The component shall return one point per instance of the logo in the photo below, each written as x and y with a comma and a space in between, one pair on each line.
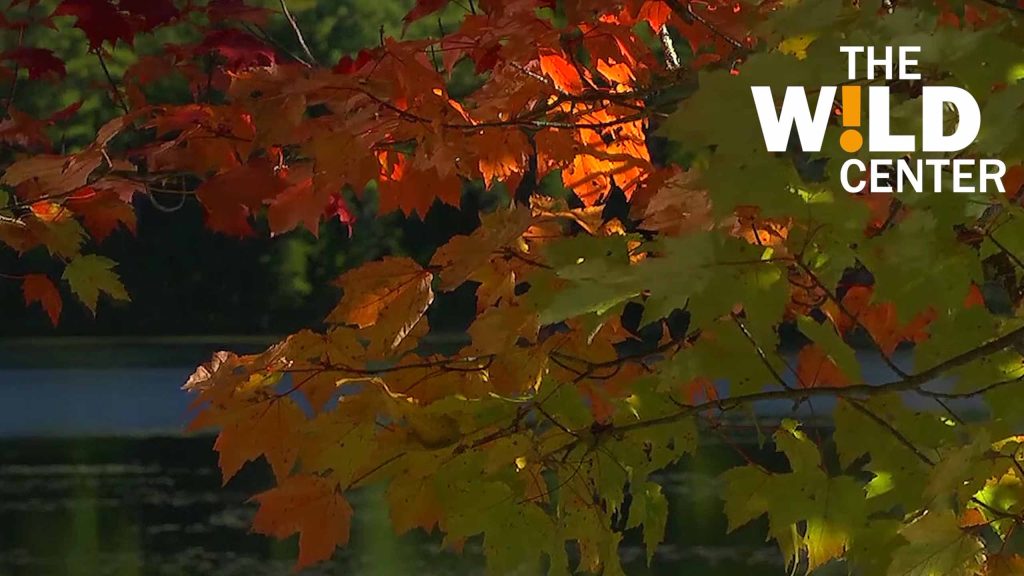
884, 175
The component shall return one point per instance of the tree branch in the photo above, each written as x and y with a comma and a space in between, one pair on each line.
760, 353
298, 32
842, 308
909, 383
671, 57
891, 429
118, 99
1005, 6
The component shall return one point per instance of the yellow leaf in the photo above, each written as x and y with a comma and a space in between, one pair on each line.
89, 275
797, 45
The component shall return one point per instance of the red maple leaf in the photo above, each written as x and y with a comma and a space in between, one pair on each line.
348, 65
338, 208
230, 197
656, 13
241, 50
99, 19
153, 13
236, 11
39, 288
65, 114
423, 8
38, 61
102, 212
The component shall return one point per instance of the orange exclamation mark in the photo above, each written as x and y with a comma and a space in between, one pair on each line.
851, 140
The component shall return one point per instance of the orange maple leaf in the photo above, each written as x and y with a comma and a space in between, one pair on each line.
311, 506
815, 369
880, 320
561, 71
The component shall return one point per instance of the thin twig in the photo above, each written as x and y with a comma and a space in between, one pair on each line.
266, 37
892, 430
11, 221
298, 32
1005, 5
760, 353
17, 70
118, 99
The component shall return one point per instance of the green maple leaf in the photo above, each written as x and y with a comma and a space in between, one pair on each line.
936, 545
649, 508
89, 275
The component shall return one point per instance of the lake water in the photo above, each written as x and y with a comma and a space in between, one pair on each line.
154, 506
97, 479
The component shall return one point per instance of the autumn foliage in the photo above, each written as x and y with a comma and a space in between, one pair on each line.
653, 277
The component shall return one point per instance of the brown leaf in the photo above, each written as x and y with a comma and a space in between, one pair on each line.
679, 206
1004, 565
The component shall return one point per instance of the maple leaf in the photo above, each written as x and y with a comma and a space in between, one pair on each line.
237, 11
677, 206
310, 506
1004, 565
99, 19
579, 338
89, 274
267, 429
299, 203
423, 8
700, 390
880, 320
937, 545
64, 114
462, 256
395, 290
337, 208
54, 228
39, 62
153, 13
413, 190
561, 71
503, 155
50, 175
816, 369
230, 196
39, 288
348, 65
239, 49
24, 131
656, 13
413, 502
102, 212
